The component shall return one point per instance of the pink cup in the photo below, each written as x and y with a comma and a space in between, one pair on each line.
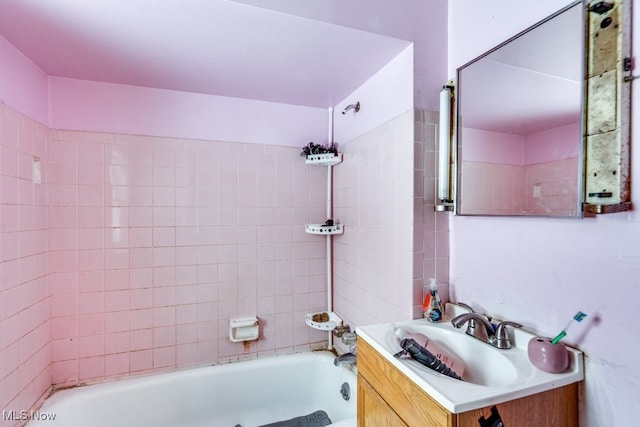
547, 356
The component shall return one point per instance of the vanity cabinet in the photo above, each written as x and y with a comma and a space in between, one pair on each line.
387, 397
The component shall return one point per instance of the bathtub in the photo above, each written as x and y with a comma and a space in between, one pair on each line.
248, 394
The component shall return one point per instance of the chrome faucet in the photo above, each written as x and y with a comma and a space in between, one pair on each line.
484, 332
348, 359
498, 338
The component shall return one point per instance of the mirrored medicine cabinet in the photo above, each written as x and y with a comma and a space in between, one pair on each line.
527, 133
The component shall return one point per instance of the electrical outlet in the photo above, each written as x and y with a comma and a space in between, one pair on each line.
537, 191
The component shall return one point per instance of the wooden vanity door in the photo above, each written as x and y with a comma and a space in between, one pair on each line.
373, 411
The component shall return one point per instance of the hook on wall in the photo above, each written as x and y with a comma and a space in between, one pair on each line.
355, 107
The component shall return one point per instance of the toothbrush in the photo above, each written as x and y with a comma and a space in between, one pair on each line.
578, 318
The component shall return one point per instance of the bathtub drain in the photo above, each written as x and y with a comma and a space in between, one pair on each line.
345, 391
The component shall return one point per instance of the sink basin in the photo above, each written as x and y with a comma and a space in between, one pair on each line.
491, 375
483, 365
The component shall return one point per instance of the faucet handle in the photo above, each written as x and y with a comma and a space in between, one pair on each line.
349, 338
502, 335
338, 331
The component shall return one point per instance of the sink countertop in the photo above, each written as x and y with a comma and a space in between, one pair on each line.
461, 396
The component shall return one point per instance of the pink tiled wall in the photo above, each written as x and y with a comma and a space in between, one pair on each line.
497, 189
392, 240
501, 170
25, 335
431, 229
135, 251
155, 243
373, 197
558, 183
509, 189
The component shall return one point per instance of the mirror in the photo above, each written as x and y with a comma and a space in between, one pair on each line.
519, 123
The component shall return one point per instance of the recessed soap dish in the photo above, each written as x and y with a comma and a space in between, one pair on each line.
244, 329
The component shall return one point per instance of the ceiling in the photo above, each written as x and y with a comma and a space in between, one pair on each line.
230, 48
301, 52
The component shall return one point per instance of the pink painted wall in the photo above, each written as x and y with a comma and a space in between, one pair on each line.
541, 271
496, 147
23, 86
493, 24
386, 95
554, 144
492, 147
101, 107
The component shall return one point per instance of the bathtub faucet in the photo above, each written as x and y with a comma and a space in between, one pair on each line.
347, 359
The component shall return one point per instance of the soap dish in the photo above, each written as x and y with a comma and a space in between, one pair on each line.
244, 329
329, 325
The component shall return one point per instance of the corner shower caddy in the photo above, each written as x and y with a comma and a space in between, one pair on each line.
328, 230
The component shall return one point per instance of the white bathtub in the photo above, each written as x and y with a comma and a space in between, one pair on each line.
248, 394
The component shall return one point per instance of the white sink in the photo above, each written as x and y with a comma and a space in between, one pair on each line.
483, 364
491, 375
